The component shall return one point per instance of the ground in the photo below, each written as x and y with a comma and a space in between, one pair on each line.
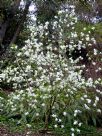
5, 132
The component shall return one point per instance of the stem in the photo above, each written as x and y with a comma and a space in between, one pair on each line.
48, 112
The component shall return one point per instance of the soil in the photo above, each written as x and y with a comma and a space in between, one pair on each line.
5, 132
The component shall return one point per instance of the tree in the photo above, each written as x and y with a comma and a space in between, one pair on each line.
12, 22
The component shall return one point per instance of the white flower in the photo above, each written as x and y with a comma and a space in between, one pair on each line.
28, 125
43, 104
84, 28
59, 120
72, 134
64, 113
56, 119
94, 63
78, 130
27, 53
75, 122
80, 124
98, 91
54, 116
93, 28
28, 133
55, 126
99, 68
60, 12
95, 52
98, 110
26, 113
19, 54
97, 98
76, 112
62, 126
88, 100
86, 107
94, 104
87, 38
28, 68
40, 27
37, 114
85, 96
72, 129
75, 35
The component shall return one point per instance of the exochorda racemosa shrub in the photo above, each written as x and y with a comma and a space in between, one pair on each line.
49, 87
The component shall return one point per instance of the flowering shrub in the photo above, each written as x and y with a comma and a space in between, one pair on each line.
49, 87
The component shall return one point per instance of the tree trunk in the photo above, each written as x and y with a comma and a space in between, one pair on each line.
25, 12
16, 5
3, 30
5, 24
